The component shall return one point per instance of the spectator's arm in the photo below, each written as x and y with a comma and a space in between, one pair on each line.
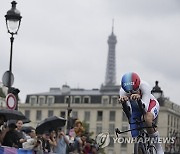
22, 140
53, 142
66, 139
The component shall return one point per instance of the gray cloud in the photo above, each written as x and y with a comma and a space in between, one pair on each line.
148, 8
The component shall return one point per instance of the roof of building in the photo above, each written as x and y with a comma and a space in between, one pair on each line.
66, 90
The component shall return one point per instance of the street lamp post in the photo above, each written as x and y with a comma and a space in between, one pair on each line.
158, 93
69, 110
13, 20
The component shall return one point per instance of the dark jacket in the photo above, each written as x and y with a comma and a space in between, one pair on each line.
11, 139
46, 145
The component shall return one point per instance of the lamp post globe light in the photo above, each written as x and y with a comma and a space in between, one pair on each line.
13, 20
158, 93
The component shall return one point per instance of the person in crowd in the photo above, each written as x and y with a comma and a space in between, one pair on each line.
3, 128
21, 134
28, 131
86, 147
52, 140
94, 149
2, 120
11, 138
38, 148
62, 142
45, 142
89, 146
31, 141
31, 133
79, 130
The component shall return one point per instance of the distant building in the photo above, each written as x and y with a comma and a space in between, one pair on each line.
99, 108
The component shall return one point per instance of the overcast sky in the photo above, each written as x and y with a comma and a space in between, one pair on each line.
65, 42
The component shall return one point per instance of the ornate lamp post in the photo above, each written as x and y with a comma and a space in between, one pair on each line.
158, 93
13, 20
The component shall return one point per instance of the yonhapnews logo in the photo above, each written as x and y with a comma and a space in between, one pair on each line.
103, 140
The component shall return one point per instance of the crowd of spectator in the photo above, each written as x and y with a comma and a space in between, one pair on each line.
77, 141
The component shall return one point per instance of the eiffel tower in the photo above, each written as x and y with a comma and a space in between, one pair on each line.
110, 78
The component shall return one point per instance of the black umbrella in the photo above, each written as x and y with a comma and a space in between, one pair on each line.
13, 115
51, 123
14, 121
23, 120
